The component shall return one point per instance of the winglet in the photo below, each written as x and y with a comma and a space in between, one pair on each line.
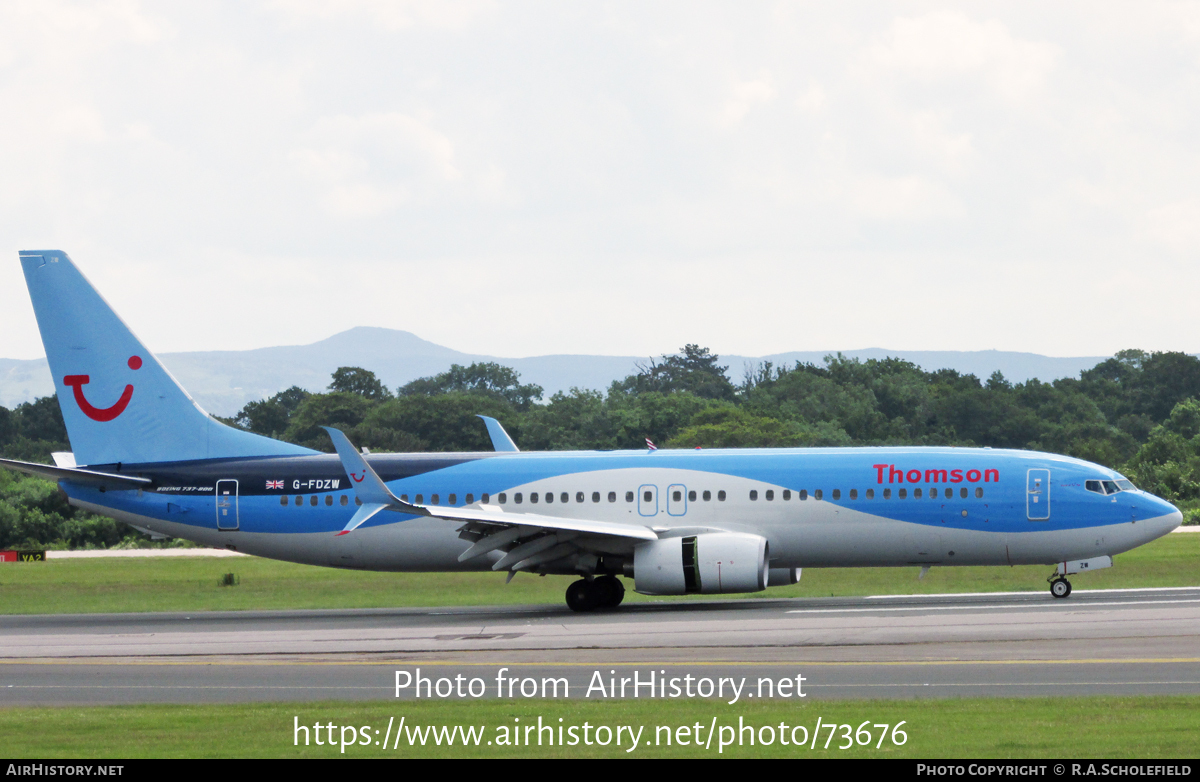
500, 439
361, 516
368, 486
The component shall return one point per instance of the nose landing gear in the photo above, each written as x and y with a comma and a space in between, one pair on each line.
602, 592
1060, 587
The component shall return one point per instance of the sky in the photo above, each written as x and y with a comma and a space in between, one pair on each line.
617, 178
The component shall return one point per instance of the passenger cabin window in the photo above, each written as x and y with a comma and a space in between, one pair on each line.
754, 494
485, 498
629, 496
595, 496
453, 499
299, 501
837, 494
854, 494
979, 492
870, 494
579, 496
358, 500
420, 499
502, 497
803, 494
770, 494
817, 494
961, 492
707, 495
903, 493
787, 494
612, 496
470, 499
887, 494
567, 497
647, 496
283, 499
533, 496
434, 499
345, 500
404, 498
721, 496
691, 496
329, 499
677, 496
517, 498
313, 500
917, 493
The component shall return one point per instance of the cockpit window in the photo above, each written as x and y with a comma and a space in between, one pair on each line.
1108, 487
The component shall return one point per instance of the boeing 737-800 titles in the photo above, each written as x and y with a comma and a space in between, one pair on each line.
673, 521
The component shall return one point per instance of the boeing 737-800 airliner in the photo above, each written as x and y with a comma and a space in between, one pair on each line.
675, 521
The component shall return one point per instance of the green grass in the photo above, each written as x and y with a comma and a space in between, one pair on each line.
1108, 727
191, 584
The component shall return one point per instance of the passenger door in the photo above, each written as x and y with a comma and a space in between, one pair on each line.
227, 504
1037, 495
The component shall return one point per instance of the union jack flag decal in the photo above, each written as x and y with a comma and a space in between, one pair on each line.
274, 484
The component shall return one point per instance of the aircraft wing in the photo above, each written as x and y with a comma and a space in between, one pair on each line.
528, 539
77, 475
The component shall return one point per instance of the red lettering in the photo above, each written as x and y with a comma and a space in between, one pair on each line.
989, 474
912, 473
879, 468
974, 475
935, 476
893, 474
956, 476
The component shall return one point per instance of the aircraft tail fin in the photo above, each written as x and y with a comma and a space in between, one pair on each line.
118, 402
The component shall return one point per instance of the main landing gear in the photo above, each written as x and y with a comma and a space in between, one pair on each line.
1060, 587
601, 592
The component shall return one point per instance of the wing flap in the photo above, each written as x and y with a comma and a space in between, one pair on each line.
586, 526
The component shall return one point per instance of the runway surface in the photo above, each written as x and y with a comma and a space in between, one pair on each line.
1094, 642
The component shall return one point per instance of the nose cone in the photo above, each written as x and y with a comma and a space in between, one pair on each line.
1163, 515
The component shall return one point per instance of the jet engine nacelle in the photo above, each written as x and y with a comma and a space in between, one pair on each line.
713, 563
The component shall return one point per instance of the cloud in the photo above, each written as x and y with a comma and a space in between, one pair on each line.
949, 45
902, 198
372, 163
392, 15
1176, 226
743, 97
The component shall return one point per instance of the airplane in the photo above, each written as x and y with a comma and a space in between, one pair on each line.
676, 522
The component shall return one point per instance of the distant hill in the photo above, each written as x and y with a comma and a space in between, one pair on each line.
224, 381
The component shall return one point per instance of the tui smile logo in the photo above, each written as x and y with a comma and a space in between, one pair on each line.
77, 382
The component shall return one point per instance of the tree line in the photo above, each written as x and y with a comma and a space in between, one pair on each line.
1137, 412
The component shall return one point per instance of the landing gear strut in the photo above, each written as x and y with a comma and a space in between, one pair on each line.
1060, 587
602, 592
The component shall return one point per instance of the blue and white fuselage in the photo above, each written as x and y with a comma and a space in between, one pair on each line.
708, 521
866, 515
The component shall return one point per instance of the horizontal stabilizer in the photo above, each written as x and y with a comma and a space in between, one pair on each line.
76, 475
